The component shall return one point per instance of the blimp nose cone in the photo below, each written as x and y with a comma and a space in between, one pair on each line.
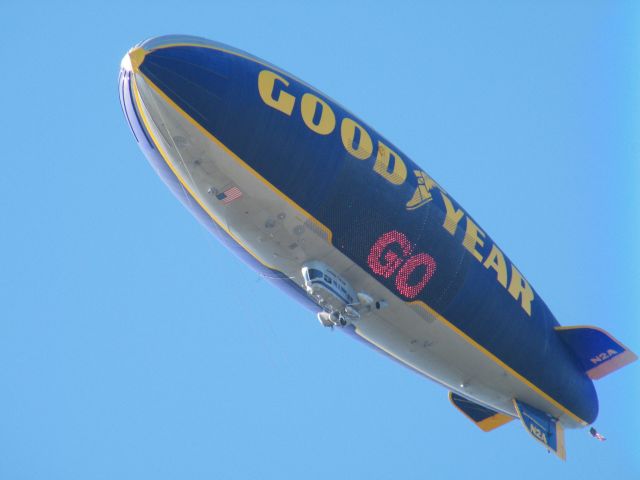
200, 79
133, 59
136, 55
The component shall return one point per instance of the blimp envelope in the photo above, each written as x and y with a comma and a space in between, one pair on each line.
337, 216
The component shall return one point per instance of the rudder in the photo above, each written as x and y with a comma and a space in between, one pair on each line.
542, 427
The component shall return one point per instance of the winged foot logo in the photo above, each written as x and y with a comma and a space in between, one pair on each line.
422, 195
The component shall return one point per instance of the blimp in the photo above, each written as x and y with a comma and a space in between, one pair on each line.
339, 218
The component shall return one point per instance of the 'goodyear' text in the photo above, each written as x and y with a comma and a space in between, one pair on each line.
320, 118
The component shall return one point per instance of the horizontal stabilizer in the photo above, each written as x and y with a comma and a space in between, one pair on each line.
543, 427
598, 352
483, 417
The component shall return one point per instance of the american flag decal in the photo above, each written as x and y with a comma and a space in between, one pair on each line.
229, 195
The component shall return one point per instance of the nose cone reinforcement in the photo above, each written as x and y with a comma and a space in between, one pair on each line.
126, 84
132, 60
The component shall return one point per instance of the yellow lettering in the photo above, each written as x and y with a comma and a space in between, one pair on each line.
453, 216
398, 173
496, 261
348, 130
472, 238
322, 121
266, 87
520, 288
538, 433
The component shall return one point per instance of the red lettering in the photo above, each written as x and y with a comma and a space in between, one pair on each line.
423, 260
385, 263
391, 254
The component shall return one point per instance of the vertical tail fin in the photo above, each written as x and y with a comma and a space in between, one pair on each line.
542, 427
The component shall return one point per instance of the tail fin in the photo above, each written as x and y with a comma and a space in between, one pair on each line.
483, 417
597, 351
543, 427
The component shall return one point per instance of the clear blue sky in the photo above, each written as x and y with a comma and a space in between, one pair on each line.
133, 346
